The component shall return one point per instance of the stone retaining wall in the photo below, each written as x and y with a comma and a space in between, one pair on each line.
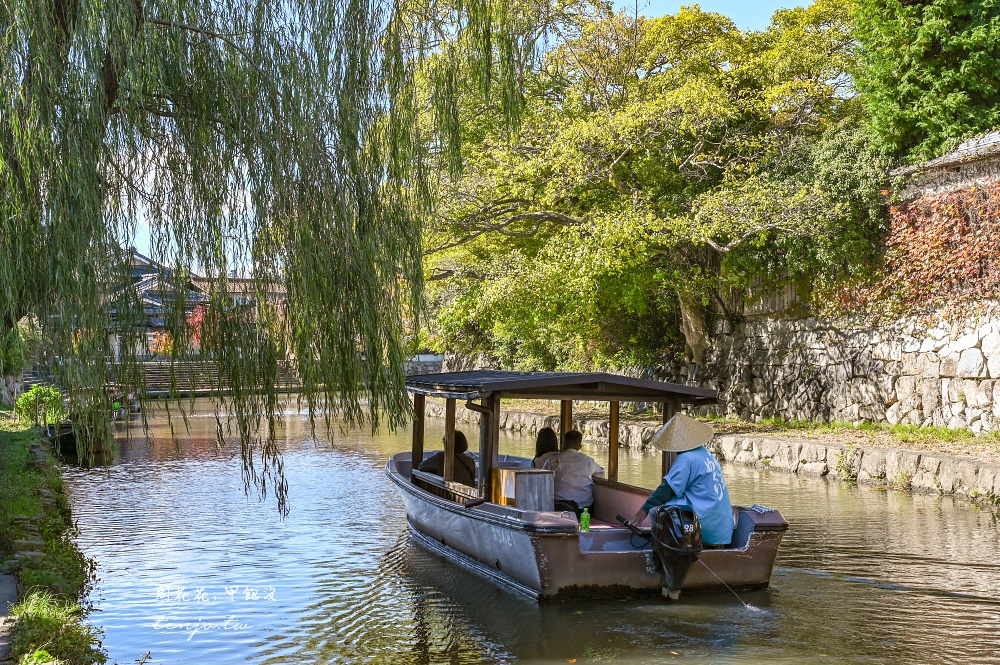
941, 373
933, 473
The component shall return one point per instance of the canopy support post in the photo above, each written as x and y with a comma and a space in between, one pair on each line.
667, 459
449, 439
565, 421
417, 448
613, 442
489, 426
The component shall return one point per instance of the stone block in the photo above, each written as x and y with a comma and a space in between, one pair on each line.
984, 395
901, 465
925, 477
969, 340
814, 469
971, 364
989, 421
990, 344
957, 477
873, 467
939, 332
930, 344
894, 414
949, 365
930, 397
766, 448
29, 546
993, 367
787, 457
745, 458
730, 447
929, 365
812, 452
988, 481
905, 386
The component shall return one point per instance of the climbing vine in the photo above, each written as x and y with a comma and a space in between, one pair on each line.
941, 249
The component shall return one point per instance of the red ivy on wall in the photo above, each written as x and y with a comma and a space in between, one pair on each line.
941, 249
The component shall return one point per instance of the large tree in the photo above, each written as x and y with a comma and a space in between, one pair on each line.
660, 162
277, 138
928, 71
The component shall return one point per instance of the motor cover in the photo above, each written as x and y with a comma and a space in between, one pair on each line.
677, 542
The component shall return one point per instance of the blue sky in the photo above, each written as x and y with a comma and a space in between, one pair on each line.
746, 14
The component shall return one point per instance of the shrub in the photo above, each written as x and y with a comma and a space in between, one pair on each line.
49, 402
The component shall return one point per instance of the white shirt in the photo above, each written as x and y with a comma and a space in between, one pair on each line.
539, 462
574, 474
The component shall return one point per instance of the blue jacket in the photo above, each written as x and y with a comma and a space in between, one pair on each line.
695, 479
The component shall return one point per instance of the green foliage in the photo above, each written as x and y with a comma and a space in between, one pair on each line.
51, 624
847, 461
18, 485
11, 353
928, 71
44, 622
659, 161
275, 139
47, 401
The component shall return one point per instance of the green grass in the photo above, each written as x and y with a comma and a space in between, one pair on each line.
46, 623
902, 433
51, 623
18, 485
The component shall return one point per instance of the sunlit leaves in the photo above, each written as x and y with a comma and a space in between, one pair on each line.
928, 71
688, 156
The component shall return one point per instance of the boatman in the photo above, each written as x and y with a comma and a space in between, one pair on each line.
695, 479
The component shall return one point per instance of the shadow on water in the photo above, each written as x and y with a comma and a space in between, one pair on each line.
863, 576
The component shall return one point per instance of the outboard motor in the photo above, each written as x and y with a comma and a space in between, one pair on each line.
677, 541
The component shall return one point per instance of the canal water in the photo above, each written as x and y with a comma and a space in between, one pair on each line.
193, 571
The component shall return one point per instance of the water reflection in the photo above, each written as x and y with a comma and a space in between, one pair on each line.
864, 576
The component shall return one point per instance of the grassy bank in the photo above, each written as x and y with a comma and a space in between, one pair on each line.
931, 439
53, 575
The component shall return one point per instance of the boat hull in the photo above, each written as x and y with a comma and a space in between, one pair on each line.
545, 556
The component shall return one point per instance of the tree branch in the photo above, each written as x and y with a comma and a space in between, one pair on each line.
211, 35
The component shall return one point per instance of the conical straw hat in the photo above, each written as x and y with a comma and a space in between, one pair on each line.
682, 433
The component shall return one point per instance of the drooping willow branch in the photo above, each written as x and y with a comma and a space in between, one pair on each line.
280, 140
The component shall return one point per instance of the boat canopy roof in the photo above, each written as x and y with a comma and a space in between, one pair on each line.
588, 386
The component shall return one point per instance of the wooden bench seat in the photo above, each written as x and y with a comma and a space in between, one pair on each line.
446, 489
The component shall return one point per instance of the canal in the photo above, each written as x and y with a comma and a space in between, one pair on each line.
193, 571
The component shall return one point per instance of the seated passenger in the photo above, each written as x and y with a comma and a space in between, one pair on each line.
695, 479
546, 446
574, 475
465, 466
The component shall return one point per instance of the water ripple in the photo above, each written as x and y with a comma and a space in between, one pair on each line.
195, 572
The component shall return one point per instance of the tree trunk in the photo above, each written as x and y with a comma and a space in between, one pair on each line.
693, 327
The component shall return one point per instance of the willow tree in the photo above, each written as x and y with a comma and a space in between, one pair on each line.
272, 137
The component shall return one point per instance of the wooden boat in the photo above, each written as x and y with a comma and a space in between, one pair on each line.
506, 529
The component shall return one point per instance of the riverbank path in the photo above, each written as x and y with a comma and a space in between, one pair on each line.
8, 596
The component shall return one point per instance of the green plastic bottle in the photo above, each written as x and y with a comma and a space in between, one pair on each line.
585, 520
